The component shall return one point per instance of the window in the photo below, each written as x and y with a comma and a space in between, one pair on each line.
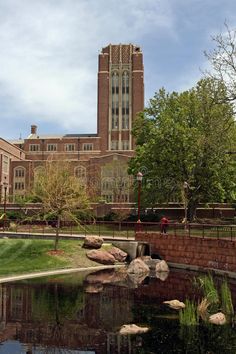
87, 146
115, 101
69, 147
5, 163
125, 100
19, 186
114, 145
125, 144
108, 198
80, 172
19, 172
34, 147
52, 147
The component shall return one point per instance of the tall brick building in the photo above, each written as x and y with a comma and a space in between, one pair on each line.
99, 160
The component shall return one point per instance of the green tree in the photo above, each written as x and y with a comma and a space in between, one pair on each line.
181, 141
60, 193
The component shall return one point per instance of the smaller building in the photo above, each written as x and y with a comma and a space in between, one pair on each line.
8, 153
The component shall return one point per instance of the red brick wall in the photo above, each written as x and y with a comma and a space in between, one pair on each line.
205, 253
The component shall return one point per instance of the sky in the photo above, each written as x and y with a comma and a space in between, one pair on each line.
49, 54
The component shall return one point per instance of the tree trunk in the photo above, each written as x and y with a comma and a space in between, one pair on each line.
57, 233
192, 208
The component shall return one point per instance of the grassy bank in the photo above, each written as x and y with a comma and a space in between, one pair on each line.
25, 256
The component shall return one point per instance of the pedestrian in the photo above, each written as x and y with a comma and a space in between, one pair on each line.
164, 225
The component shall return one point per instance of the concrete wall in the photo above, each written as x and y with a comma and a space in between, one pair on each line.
204, 253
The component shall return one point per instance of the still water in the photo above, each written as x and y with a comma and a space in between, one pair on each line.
82, 313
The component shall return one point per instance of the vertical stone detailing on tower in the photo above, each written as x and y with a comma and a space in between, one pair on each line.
120, 95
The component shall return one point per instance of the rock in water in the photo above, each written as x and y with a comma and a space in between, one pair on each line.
137, 266
218, 318
162, 266
132, 329
175, 304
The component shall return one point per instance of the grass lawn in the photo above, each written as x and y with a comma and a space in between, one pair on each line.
25, 256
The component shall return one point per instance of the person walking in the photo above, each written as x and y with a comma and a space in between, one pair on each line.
164, 225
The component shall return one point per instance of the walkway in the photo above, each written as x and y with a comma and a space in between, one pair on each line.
51, 236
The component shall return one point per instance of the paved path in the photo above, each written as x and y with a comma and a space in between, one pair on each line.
11, 234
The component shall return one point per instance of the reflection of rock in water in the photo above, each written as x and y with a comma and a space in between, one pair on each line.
107, 276
134, 280
162, 275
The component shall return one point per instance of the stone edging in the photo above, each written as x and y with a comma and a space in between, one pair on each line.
54, 272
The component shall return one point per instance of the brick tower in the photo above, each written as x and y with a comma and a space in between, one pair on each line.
120, 95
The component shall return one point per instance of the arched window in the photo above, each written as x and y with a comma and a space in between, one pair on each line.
80, 172
19, 172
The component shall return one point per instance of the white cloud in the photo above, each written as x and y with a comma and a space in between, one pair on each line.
49, 53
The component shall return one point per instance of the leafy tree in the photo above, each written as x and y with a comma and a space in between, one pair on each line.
60, 192
181, 141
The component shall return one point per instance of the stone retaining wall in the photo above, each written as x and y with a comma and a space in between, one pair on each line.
204, 253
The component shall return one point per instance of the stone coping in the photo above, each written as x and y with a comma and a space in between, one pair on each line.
55, 272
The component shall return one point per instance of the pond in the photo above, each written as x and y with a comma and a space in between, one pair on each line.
82, 313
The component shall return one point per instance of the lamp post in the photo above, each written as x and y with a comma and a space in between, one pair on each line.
185, 204
5, 204
139, 179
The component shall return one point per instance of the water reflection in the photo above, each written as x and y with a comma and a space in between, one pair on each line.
72, 314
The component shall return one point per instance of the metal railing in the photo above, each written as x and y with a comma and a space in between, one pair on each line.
116, 229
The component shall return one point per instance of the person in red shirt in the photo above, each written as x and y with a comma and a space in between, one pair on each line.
164, 225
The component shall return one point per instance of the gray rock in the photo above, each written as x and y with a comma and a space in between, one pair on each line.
93, 241
137, 266
118, 254
162, 266
102, 257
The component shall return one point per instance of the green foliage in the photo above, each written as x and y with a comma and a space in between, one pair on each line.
189, 316
208, 288
183, 137
226, 299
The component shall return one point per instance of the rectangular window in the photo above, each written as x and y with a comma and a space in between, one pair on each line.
34, 147
114, 145
19, 186
125, 144
87, 146
69, 147
51, 147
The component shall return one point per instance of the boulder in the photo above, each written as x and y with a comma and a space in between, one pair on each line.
132, 329
175, 304
218, 318
93, 241
150, 262
118, 254
162, 266
137, 266
100, 256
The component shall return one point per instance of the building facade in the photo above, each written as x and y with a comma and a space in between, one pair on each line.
99, 160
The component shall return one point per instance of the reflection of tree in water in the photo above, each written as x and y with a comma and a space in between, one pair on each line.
54, 312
